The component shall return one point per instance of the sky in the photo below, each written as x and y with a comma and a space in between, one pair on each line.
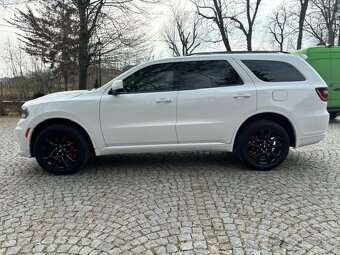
159, 15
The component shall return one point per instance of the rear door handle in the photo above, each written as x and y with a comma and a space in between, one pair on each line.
164, 101
242, 96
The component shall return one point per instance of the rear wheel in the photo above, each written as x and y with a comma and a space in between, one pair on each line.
61, 149
333, 115
263, 145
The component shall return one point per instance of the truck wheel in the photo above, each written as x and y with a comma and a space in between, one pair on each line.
333, 115
263, 145
61, 149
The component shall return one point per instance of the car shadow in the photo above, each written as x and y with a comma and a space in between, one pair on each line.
218, 162
178, 162
336, 120
183, 160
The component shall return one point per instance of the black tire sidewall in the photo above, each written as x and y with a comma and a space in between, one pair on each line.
333, 115
83, 150
251, 129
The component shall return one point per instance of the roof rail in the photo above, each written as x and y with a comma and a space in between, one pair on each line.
235, 52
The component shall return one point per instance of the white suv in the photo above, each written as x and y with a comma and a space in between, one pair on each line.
258, 104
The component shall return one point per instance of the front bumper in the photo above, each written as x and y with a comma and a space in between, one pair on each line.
24, 148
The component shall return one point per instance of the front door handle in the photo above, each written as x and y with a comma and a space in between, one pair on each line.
242, 96
164, 101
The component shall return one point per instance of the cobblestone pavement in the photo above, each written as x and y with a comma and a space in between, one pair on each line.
172, 203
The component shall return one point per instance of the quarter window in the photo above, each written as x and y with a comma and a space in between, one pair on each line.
160, 77
274, 71
208, 74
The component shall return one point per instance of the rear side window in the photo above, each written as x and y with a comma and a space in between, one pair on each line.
274, 71
208, 74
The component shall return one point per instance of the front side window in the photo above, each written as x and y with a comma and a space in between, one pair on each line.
154, 78
274, 71
208, 74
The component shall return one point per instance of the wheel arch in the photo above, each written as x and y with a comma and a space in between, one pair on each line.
62, 121
275, 117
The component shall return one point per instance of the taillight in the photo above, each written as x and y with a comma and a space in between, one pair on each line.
323, 93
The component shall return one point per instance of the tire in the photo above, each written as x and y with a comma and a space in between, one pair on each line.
333, 115
60, 149
263, 145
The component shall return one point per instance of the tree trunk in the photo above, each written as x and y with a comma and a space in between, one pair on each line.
225, 39
249, 41
220, 25
83, 57
331, 35
66, 80
304, 6
82, 78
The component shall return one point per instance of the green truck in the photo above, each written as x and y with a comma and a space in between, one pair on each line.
326, 61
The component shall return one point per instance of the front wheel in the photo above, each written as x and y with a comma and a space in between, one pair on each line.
263, 145
61, 149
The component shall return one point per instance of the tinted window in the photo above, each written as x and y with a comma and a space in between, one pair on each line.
208, 74
161, 77
274, 71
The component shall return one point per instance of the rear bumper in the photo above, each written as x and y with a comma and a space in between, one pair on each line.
307, 140
313, 129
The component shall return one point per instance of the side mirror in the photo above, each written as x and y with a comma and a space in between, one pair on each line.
116, 87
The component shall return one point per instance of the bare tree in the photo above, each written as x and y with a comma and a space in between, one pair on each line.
13, 59
182, 32
121, 37
80, 22
215, 11
302, 17
6, 3
250, 10
279, 26
91, 15
50, 33
316, 29
17, 64
321, 23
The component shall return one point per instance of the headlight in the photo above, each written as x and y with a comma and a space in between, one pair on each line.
24, 112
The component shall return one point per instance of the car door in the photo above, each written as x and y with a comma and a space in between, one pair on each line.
212, 101
145, 113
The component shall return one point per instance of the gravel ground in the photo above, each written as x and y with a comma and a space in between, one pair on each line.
172, 203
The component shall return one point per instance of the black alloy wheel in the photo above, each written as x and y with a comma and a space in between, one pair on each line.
61, 149
263, 145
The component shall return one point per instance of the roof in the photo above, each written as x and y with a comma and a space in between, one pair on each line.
235, 52
318, 49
